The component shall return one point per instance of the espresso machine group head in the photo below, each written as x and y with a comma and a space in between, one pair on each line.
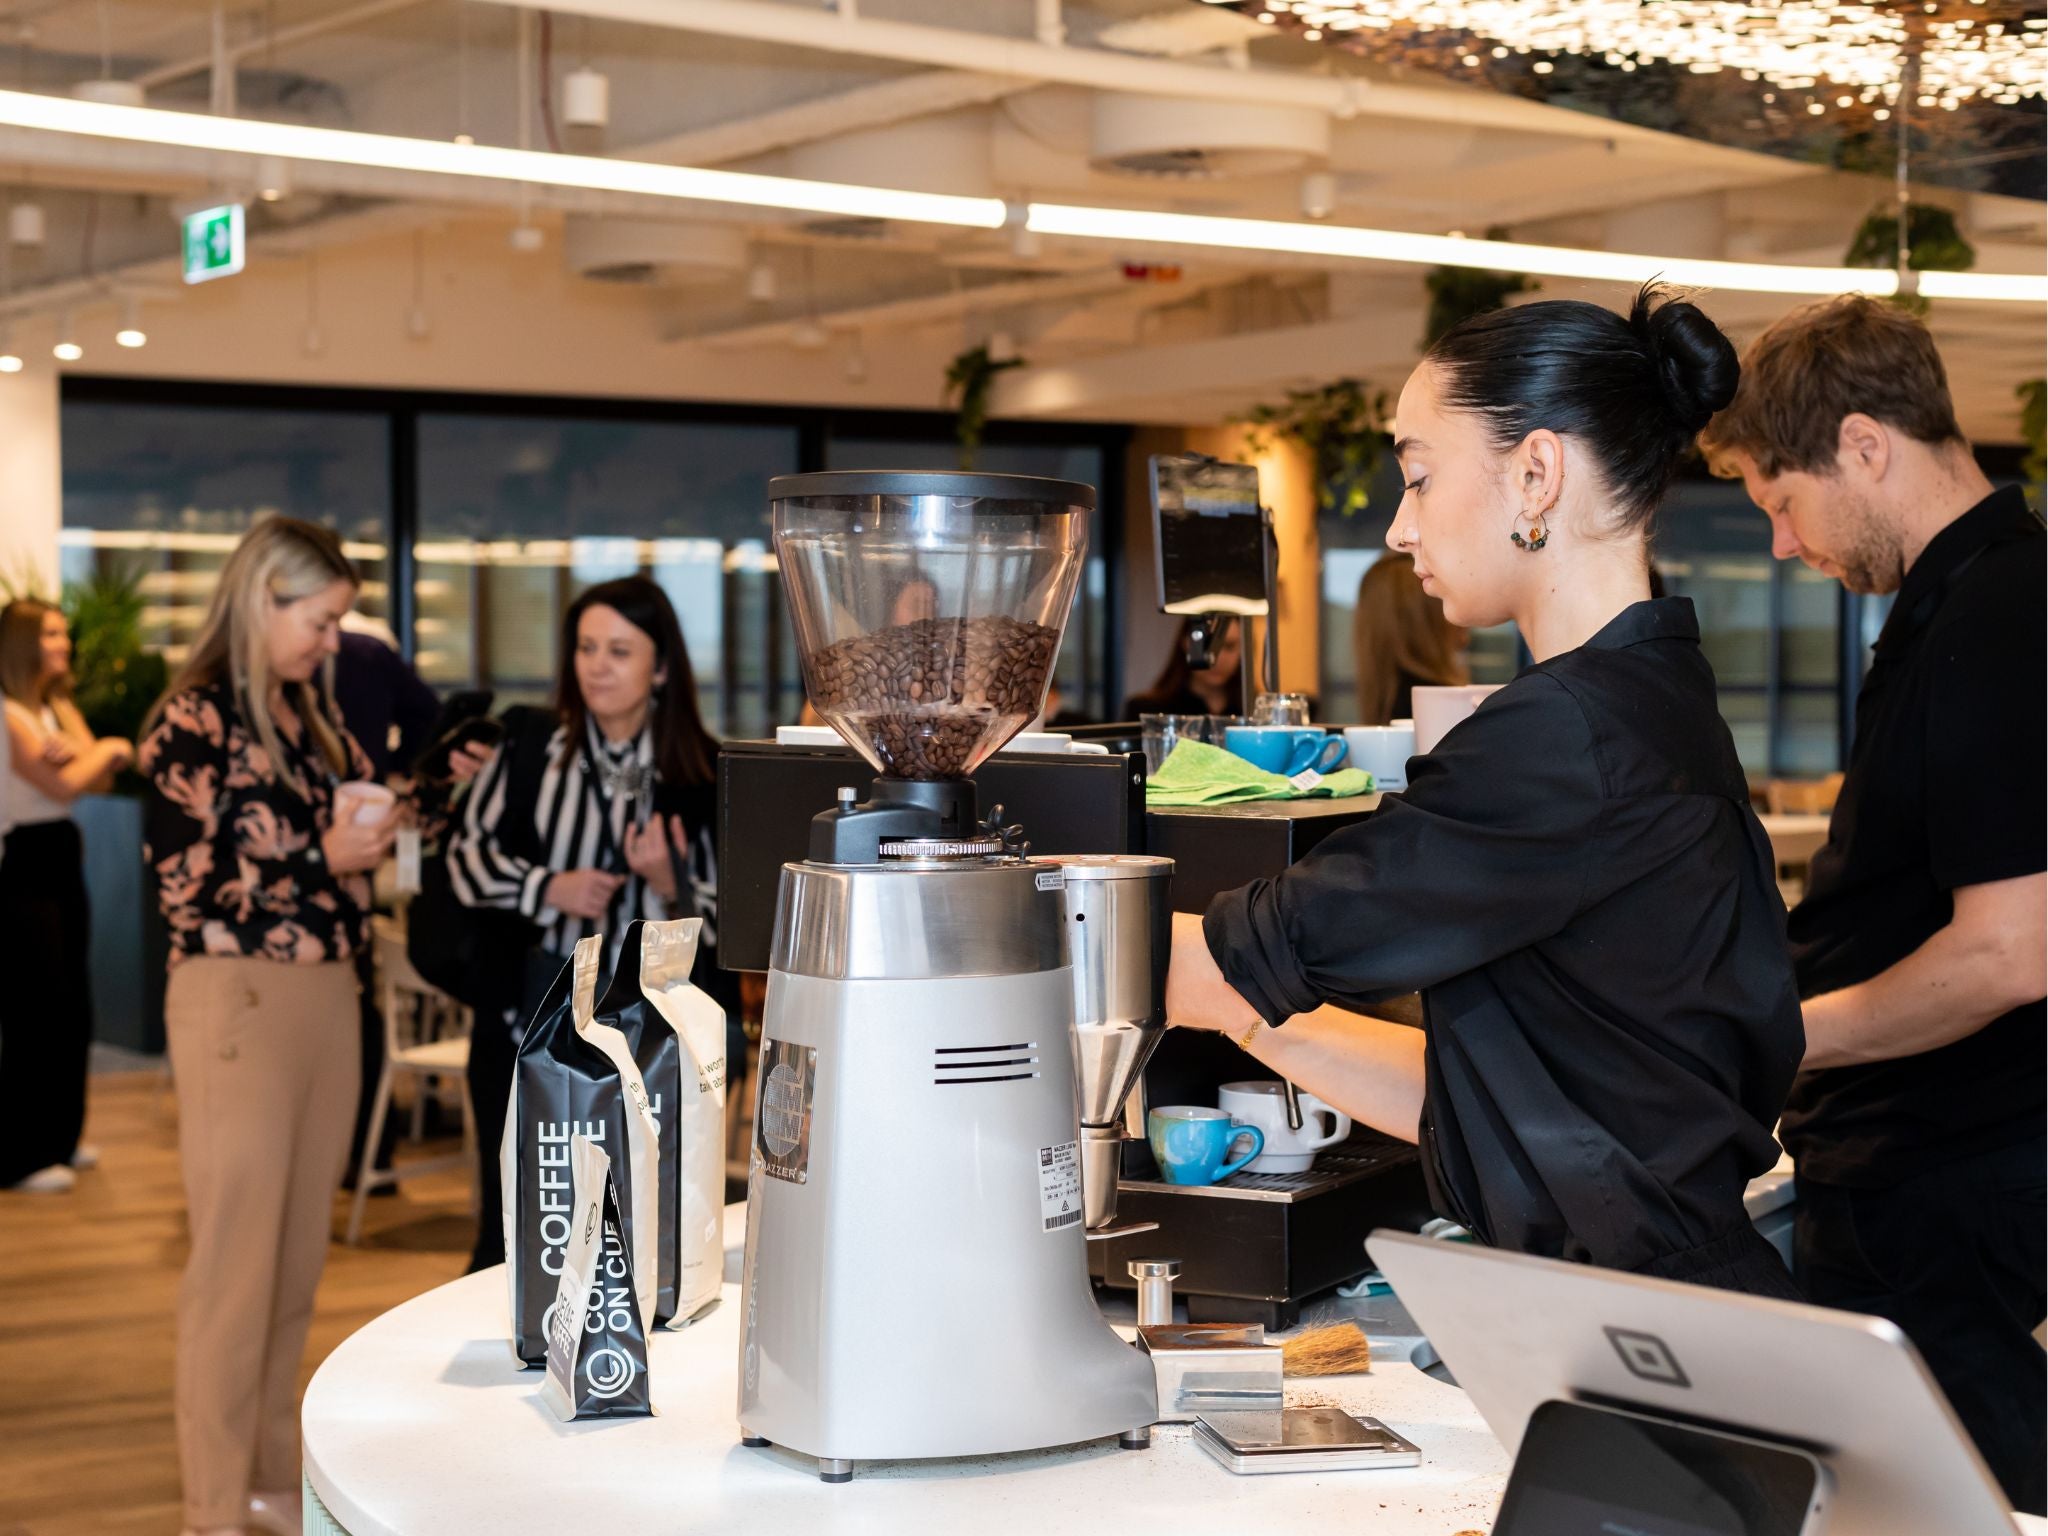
951, 1027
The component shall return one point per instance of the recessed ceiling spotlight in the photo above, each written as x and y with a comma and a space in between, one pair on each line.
67, 349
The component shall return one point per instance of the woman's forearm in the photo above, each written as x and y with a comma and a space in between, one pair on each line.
1369, 1068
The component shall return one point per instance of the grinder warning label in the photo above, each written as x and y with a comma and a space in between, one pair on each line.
1059, 1185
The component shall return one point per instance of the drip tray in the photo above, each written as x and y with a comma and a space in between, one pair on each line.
1254, 1247
1337, 1166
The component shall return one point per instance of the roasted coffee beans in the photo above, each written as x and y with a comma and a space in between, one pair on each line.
932, 697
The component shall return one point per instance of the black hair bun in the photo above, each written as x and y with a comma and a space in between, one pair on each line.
1695, 363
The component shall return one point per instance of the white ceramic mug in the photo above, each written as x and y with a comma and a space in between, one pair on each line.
1439, 709
364, 803
1382, 751
1264, 1104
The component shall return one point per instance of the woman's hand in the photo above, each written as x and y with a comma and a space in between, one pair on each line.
647, 851
465, 763
57, 751
583, 893
1197, 996
120, 752
351, 848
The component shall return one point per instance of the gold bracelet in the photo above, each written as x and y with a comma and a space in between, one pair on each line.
1244, 1042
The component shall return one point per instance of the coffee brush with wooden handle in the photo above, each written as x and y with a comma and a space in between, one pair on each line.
1339, 1350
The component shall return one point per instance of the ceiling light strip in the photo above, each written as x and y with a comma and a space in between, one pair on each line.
333, 146
1350, 243
291, 141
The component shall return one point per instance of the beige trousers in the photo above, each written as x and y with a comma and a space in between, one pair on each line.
267, 1065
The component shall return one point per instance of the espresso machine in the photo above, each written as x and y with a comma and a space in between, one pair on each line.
951, 1027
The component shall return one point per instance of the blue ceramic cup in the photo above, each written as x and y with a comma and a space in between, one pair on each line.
1286, 749
1192, 1144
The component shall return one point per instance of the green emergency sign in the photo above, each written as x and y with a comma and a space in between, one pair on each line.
213, 243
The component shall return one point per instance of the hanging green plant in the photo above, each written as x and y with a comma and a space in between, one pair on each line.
2033, 398
1343, 429
968, 380
1456, 294
1933, 244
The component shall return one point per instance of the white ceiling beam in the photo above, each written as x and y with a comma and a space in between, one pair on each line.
269, 42
1247, 367
796, 26
867, 106
913, 309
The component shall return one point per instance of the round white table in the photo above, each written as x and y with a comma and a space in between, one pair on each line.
420, 1425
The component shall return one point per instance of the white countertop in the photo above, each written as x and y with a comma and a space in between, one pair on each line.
419, 1425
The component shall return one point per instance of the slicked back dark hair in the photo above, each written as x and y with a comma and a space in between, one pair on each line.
1634, 390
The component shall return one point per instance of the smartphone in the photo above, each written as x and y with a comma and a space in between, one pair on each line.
476, 732
1587, 1470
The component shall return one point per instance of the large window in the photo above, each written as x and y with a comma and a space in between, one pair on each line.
1770, 628
519, 514
160, 493
476, 520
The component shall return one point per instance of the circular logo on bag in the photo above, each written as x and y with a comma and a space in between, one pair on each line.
609, 1372
782, 1110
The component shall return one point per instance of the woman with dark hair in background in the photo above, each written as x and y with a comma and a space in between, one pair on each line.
1401, 639
1180, 689
587, 818
1574, 880
47, 1035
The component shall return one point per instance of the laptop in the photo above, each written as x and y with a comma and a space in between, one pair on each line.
1518, 1331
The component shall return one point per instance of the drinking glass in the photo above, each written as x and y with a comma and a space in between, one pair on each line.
1280, 709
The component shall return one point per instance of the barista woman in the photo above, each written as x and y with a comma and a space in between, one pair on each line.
1574, 880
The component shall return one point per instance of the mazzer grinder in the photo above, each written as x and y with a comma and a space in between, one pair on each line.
933, 1134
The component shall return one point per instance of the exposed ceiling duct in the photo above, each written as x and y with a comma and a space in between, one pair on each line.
1183, 139
654, 251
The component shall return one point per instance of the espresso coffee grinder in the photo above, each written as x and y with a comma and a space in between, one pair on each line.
916, 1282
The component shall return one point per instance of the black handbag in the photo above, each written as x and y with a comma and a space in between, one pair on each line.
477, 954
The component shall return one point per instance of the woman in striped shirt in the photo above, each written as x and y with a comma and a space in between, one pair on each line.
585, 820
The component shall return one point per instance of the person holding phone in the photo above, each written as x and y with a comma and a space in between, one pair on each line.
1574, 880
586, 819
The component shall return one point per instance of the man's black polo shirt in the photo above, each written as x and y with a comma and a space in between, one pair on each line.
1945, 789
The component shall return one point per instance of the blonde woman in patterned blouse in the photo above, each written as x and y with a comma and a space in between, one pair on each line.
267, 897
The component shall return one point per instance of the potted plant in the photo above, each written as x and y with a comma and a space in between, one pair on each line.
1343, 429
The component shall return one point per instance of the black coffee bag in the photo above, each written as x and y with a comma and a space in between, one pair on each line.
676, 1033
573, 1078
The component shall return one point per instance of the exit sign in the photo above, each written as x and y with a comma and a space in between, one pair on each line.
213, 243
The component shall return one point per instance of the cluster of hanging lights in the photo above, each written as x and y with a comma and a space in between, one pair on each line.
1846, 52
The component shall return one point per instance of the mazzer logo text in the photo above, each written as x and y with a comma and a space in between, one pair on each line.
1647, 1357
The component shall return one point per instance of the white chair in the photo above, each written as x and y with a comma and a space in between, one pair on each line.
411, 1005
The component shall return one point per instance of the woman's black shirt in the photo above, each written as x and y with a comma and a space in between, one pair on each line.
1575, 882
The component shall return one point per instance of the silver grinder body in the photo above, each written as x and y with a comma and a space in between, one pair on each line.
915, 1282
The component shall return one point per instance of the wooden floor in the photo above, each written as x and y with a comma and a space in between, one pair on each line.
87, 1285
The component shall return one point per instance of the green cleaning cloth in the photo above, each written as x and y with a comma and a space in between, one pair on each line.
1196, 773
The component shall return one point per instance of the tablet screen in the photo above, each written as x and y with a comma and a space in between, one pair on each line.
1211, 536
1586, 1471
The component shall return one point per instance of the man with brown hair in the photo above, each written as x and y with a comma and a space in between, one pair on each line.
1917, 1121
